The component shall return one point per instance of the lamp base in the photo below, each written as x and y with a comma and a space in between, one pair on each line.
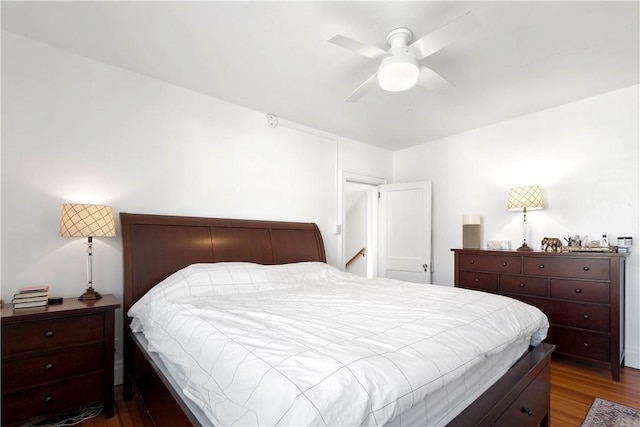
524, 247
89, 295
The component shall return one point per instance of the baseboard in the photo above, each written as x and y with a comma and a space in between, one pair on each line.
632, 357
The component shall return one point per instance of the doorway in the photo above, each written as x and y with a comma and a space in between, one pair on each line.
358, 210
386, 228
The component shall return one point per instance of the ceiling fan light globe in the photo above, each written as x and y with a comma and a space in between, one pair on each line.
398, 73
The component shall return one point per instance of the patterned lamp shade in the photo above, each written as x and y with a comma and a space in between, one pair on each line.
79, 220
529, 197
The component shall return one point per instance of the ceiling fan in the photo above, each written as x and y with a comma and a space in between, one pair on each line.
400, 67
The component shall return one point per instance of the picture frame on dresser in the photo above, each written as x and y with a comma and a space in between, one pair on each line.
57, 358
582, 294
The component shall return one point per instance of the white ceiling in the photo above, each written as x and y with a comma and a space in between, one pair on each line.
274, 56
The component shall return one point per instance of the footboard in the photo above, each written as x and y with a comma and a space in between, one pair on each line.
520, 398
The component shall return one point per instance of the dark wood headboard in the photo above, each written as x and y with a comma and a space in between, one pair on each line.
156, 246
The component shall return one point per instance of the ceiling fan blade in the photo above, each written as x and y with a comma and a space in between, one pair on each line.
433, 81
436, 40
368, 85
363, 49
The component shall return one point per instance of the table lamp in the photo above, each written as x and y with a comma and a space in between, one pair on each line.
522, 199
84, 220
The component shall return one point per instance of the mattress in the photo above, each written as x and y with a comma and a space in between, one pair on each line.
308, 344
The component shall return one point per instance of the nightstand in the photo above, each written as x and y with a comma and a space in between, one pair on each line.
57, 358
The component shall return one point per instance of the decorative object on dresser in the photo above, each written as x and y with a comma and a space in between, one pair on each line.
82, 220
471, 231
551, 244
581, 293
522, 199
58, 359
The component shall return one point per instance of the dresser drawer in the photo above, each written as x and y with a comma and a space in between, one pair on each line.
525, 285
50, 334
21, 372
490, 263
579, 268
589, 345
586, 316
477, 280
51, 398
531, 406
576, 290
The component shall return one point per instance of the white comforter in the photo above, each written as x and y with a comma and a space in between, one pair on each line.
307, 344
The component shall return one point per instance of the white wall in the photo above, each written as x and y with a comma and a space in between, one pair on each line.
584, 155
76, 130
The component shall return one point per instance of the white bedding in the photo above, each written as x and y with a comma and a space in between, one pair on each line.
308, 344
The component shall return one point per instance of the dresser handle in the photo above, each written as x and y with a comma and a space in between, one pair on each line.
522, 285
472, 261
585, 268
586, 344
48, 399
48, 366
578, 290
586, 316
476, 280
48, 334
503, 263
541, 266
527, 411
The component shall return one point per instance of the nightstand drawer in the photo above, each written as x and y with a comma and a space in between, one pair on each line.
579, 268
476, 280
19, 372
490, 263
51, 398
49, 334
524, 285
576, 290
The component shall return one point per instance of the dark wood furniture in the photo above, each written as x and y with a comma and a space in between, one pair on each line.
155, 246
57, 358
582, 294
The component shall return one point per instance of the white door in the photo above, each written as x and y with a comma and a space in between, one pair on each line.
405, 231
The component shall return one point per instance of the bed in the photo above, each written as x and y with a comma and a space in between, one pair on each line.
157, 248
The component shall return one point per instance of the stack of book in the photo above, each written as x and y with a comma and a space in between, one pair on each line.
31, 296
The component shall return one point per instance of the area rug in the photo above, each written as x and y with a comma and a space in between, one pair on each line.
604, 413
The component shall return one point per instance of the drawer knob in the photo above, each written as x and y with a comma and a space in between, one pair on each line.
48, 334
586, 344
503, 263
527, 411
48, 399
48, 366
522, 285
541, 266
586, 316
476, 280
585, 268
472, 261
578, 290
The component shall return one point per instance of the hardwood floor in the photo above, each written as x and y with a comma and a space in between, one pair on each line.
573, 388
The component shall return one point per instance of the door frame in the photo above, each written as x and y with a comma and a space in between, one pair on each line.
346, 177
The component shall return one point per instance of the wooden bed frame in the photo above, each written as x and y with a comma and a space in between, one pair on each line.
155, 246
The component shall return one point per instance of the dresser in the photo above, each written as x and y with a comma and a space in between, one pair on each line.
57, 358
582, 294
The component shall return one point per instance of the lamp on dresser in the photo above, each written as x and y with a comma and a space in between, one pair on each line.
85, 220
522, 199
